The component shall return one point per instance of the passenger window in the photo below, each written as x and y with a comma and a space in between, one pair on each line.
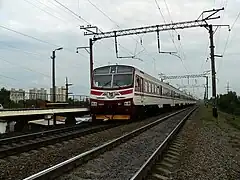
157, 89
146, 86
141, 84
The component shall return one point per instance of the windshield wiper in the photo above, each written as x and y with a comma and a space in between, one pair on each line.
106, 83
116, 84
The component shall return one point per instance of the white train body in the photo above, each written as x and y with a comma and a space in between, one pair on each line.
121, 92
156, 92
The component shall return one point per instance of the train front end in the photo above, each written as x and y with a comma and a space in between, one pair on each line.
111, 96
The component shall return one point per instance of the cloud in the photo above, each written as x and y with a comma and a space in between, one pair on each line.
50, 22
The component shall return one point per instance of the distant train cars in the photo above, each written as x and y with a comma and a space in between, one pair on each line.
121, 92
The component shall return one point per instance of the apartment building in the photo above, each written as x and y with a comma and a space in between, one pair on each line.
38, 94
60, 94
17, 95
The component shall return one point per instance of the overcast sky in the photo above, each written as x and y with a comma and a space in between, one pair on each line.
27, 64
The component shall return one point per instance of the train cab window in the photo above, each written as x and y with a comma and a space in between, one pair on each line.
137, 84
102, 70
124, 69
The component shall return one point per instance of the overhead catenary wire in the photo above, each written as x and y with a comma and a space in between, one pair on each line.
205, 59
45, 11
75, 14
80, 17
235, 21
52, 9
28, 36
21, 50
27, 68
57, 17
228, 38
1, 75
37, 56
221, 20
172, 38
40, 55
160, 11
37, 39
114, 22
174, 29
34, 38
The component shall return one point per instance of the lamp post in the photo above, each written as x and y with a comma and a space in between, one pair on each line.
53, 79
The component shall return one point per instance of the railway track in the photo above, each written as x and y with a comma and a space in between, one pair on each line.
158, 164
108, 151
23, 143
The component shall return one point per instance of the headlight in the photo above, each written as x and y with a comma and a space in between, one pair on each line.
127, 103
93, 103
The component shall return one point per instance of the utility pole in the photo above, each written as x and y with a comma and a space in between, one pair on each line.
67, 88
91, 61
53, 77
89, 49
206, 91
228, 87
53, 81
212, 56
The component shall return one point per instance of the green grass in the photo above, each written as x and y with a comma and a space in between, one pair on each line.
207, 118
232, 120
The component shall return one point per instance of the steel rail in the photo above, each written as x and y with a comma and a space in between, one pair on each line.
146, 167
40, 134
48, 140
71, 163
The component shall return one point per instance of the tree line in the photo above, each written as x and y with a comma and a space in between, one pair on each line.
229, 103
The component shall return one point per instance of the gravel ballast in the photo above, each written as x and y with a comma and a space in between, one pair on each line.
211, 149
124, 160
26, 164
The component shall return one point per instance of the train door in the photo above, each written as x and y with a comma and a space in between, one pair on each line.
139, 88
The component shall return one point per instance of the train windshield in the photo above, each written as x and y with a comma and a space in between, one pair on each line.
120, 80
113, 76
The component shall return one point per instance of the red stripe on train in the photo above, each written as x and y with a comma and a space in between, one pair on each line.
126, 92
97, 93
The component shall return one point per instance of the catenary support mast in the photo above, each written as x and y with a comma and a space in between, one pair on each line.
202, 21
